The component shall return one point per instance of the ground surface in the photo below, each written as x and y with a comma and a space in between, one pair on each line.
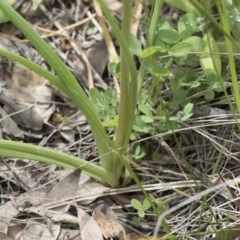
37, 200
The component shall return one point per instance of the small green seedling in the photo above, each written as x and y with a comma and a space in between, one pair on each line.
141, 207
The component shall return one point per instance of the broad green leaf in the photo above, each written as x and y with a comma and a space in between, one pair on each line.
210, 59
136, 221
187, 24
136, 204
197, 43
188, 108
184, 5
217, 87
195, 84
212, 79
135, 46
168, 35
163, 126
160, 72
146, 204
209, 94
186, 117
145, 109
141, 213
172, 105
138, 149
174, 118
147, 119
228, 3
180, 95
174, 85
3, 17
150, 51
181, 49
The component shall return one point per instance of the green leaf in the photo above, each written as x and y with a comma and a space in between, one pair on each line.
188, 108
180, 95
187, 24
145, 109
146, 204
184, 5
212, 79
160, 72
136, 221
146, 119
150, 51
198, 43
138, 149
174, 85
168, 35
135, 46
210, 59
3, 17
228, 3
209, 94
136, 204
172, 105
217, 87
141, 213
181, 49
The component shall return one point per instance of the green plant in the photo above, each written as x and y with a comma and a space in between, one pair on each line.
146, 205
64, 80
111, 152
141, 207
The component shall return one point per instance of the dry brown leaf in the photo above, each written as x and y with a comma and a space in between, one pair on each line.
26, 89
53, 216
69, 234
31, 198
15, 230
7, 213
3, 236
88, 226
98, 56
35, 230
89, 192
114, 6
109, 227
65, 189
8, 126
25, 117
136, 236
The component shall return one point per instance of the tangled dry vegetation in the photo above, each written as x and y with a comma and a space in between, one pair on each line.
48, 202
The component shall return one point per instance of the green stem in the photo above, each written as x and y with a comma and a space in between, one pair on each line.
121, 138
49, 156
150, 40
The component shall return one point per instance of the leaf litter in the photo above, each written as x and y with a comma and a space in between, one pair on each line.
34, 203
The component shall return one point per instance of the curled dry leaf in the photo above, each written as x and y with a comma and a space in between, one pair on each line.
65, 189
109, 227
8, 126
26, 116
89, 192
35, 230
114, 6
7, 213
3, 236
88, 226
